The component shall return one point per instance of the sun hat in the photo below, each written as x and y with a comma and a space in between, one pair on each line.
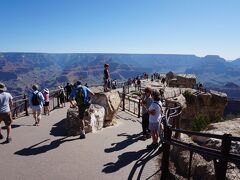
46, 90
2, 87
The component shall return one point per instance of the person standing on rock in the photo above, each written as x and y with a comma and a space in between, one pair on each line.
146, 101
5, 112
36, 101
155, 115
81, 95
106, 78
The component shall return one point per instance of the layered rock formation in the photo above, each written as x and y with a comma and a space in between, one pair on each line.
181, 80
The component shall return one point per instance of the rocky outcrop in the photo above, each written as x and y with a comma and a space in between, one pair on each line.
72, 122
110, 101
101, 113
93, 118
210, 105
181, 80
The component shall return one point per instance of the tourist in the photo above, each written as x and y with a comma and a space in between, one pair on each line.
146, 101
61, 96
5, 112
81, 95
106, 78
36, 101
46, 103
155, 115
68, 90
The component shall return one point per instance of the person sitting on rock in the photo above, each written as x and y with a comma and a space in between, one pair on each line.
81, 95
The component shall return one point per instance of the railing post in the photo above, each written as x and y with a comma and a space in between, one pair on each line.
166, 150
139, 106
26, 104
123, 99
58, 100
221, 165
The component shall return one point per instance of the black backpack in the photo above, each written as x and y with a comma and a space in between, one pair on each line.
35, 99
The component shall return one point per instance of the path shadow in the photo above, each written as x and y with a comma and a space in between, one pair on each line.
12, 126
123, 160
140, 164
33, 150
128, 119
123, 144
58, 129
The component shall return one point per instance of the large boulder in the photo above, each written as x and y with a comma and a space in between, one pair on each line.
93, 118
72, 122
110, 101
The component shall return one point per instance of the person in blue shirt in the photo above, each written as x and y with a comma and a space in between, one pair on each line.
81, 95
36, 106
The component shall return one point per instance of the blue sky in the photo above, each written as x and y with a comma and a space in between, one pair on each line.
197, 27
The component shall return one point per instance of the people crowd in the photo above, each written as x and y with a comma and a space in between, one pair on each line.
79, 96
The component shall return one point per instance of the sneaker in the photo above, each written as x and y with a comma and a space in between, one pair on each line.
8, 140
1, 136
82, 136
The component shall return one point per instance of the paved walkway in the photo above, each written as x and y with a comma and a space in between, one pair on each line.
44, 153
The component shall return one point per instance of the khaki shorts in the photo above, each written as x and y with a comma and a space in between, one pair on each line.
6, 118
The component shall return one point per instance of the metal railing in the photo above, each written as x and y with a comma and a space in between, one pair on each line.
21, 105
221, 157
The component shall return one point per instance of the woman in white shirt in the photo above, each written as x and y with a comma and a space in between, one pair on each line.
155, 115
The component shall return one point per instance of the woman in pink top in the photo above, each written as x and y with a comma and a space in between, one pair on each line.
46, 104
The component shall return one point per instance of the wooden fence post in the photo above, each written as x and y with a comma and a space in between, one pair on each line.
139, 106
123, 99
166, 150
221, 165
26, 104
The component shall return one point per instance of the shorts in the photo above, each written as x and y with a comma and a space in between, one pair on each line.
82, 109
6, 118
46, 104
153, 126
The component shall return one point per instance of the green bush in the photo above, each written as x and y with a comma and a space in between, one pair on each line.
200, 122
188, 96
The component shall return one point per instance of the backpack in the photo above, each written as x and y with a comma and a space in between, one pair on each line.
35, 99
81, 98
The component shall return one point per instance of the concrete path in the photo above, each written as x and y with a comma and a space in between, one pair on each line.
45, 153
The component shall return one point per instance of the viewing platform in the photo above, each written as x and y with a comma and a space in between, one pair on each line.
44, 152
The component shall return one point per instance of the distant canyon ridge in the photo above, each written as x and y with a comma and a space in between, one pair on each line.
18, 70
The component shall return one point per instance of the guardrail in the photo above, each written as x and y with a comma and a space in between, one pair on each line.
221, 158
20, 106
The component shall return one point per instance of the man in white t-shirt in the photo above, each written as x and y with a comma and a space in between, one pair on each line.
5, 112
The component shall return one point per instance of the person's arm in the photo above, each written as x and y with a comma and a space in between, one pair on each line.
71, 97
90, 92
11, 101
